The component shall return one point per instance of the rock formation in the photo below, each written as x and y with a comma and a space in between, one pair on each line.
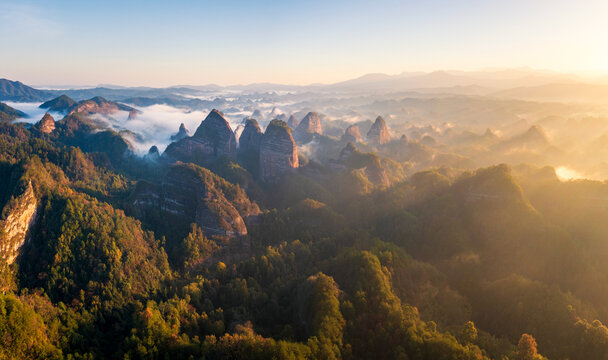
189, 193
278, 152
60, 104
46, 124
20, 215
153, 154
293, 122
352, 134
181, 133
132, 115
378, 134
212, 140
310, 125
250, 137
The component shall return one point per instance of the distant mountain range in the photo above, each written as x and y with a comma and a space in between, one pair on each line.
17, 91
522, 83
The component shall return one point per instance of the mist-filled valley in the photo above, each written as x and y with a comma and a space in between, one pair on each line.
441, 215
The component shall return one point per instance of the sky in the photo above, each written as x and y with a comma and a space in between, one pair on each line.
164, 43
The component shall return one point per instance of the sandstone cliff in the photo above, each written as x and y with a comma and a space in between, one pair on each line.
378, 134
46, 124
278, 152
249, 142
353, 134
189, 193
311, 124
20, 215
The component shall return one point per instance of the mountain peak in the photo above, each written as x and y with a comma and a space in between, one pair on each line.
378, 133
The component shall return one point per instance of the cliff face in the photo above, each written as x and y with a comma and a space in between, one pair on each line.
20, 216
46, 124
213, 139
278, 152
352, 134
250, 138
378, 134
194, 194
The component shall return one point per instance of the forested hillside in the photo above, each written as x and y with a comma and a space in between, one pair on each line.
357, 258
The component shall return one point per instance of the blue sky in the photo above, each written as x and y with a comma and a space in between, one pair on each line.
298, 42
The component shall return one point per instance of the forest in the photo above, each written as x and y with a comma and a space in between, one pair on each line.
502, 262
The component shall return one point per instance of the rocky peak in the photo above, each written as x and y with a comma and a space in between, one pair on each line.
46, 124
250, 137
153, 154
378, 134
132, 115
310, 124
352, 133
212, 140
278, 151
181, 133
293, 122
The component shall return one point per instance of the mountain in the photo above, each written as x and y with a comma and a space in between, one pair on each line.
61, 104
99, 105
19, 92
445, 81
196, 195
278, 152
352, 134
212, 140
46, 124
571, 92
249, 145
378, 134
310, 125
8, 113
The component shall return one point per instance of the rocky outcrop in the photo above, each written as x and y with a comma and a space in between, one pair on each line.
189, 193
352, 134
378, 134
61, 104
310, 125
181, 133
46, 124
153, 154
278, 152
293, 122
249, 142
20, 216
99, 105
212, 140
132, 115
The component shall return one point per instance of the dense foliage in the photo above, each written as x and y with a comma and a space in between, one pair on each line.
444, 264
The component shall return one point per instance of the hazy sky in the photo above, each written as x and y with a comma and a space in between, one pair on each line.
298, 42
